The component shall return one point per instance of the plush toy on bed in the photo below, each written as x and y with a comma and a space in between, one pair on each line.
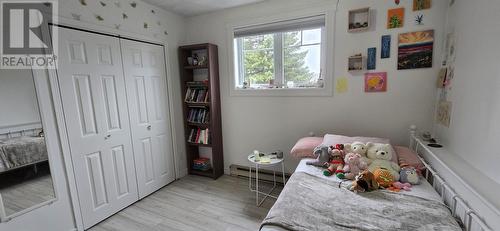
364, 182
354, 164
357, 147
383, 177
323, 156
336, 165
398, 186
408, 174
381, 155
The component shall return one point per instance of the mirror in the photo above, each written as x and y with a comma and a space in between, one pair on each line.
25, 179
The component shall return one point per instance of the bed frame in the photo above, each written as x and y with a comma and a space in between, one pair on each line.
470, 218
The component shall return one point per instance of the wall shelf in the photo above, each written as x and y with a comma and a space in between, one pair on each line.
359, 20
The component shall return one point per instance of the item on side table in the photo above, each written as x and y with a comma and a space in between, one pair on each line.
202, 164
398, 186
323, 156
354, 164
364, 182
336, 164
383, 177
408, 174
381, 156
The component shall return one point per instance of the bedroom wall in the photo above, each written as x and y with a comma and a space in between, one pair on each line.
22, 106
270, 123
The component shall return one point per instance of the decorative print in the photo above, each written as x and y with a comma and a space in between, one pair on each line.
342, 85
396, 1
133, 4
415, 49
386, 47
83, 2
98, 17
153, 12
444, 113
124, 16
165, 32
441, 78
419, 19
376, 82
395, 18
371, 59
102, 3
421, 4
76, 17
450, 74
145, 25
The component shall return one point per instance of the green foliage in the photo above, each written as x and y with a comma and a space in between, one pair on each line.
394, 22
259, 59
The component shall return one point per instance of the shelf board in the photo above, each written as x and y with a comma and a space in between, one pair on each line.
196, 67
199, 145
202, 125
205, 104
208, 173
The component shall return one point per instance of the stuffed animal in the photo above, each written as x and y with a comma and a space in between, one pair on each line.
398, 186
383, 177
409, 174
381, 155
364, 182
359, 148
336, 164
323, 156
354, 164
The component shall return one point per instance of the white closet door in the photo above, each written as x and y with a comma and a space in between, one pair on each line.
95, 108
145, 78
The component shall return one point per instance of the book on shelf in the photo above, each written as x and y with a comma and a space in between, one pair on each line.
199, 136
198, 115
196, 95
202, 164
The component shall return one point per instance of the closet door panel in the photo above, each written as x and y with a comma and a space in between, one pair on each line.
90, 75
146, 82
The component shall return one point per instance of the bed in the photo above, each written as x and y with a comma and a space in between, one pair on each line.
21, 149
311, 201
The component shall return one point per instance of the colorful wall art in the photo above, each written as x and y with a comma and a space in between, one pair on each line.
444, 113
421, 4
371, 61
395, 18
386, 47
415, 50
376, 82
342, 85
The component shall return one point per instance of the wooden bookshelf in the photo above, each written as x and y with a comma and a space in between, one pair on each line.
204, 79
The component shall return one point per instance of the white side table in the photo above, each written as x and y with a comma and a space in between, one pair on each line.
274, 162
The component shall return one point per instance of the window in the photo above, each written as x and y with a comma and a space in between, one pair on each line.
287, 54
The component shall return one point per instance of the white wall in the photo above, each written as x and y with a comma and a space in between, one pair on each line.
475, 94
18, 101
270, 123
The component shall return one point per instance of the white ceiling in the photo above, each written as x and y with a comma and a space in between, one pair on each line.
197, 7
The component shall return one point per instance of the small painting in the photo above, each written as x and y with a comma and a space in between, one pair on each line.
386, 47
376, 82
443, 115
441, 78
421, 4
395, 18
342, 85
371, 59
415, 49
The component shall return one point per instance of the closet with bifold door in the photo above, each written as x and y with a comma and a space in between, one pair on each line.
115, 105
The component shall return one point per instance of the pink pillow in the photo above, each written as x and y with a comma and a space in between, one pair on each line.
331, 139
305, 146
408, 157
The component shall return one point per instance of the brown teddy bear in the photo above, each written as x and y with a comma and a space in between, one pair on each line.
364, 182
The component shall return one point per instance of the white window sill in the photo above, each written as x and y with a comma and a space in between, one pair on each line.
291, 92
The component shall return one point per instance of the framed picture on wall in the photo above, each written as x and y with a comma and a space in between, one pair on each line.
415, 50
395, 18
376, 82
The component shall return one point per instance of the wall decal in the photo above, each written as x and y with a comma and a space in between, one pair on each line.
133, 4
165, 32
397, 2
124, 16
419, 19
153, 11
98, 17
443, 115
421, 4
145, 25
342, 85
83, 2
441, 78
371, 60
385, 47
415, 49
376, 82
102, 3
395, 18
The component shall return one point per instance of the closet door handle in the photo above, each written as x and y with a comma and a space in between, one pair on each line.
148, 127
107, 137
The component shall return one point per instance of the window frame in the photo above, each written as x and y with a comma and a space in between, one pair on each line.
326, 57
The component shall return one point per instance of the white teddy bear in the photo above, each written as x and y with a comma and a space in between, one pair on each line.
380, 156
359, 148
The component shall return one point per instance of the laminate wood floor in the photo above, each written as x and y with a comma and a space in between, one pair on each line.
194, 203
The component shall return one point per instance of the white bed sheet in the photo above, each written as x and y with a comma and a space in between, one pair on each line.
424, 189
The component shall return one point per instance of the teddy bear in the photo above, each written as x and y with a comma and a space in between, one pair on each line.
364, 182
381, 155
357, 147
354, 164
323, 156
336, 164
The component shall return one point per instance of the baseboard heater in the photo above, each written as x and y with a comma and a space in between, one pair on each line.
264, 174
